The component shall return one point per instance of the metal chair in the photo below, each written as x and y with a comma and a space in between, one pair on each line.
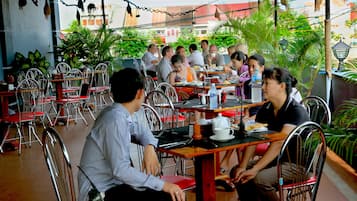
27, 94
59, 164
150, 84
318, 110
155, 124
165, 108
169, 90
63, 67
300, 162
100, 85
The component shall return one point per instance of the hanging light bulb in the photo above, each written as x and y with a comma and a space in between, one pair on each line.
128, 9
217, 15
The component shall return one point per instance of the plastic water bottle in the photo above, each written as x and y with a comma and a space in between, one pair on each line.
256, 86
213, 100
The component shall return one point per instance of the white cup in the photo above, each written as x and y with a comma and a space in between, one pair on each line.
223, 133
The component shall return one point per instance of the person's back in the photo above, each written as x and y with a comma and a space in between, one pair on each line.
195, 58
164, 67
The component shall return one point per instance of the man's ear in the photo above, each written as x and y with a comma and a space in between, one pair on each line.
140, 93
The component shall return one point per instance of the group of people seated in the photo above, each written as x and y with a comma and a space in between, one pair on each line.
106, 153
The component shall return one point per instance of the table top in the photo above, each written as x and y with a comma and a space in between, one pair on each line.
207, 146
229, 104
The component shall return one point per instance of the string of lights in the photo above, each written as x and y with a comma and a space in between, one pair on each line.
130, 3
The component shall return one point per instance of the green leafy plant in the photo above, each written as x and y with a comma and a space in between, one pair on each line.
33, 60
342, 137
305, 47
132, 44
83, 46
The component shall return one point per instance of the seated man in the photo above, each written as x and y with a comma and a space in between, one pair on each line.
106, 153
256, 180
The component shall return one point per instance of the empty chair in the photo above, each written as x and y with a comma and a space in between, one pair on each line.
318, 110
27, 94
300, 162
165, 108
169, 90
35, 73
100, 85
63, 67
59, 165
150, 84
154, 123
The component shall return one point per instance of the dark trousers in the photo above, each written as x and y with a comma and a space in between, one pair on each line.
262, 187
119, 192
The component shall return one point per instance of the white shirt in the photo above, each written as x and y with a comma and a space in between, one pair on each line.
163, 70
195, 58
147, 59
295, 94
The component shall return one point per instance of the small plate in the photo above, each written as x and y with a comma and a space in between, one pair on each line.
213, 137
260, 129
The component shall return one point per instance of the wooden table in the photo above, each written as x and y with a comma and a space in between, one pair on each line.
204, 152
229, 104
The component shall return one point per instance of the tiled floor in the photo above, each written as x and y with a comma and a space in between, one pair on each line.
26, 178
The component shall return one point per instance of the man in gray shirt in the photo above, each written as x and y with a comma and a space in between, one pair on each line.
106, 153
164, 68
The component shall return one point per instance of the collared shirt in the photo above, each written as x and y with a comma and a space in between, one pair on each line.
106, 153
291, 113
195, 58
147, 59
163, 70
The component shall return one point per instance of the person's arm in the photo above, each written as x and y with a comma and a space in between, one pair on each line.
172, 78
165, 73
268, 157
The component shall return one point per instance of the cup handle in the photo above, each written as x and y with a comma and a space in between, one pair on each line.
231, 132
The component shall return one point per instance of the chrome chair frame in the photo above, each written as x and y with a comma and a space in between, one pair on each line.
59, 165
318, 109
299, 173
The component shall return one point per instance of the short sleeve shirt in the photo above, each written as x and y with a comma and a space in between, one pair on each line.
291, 112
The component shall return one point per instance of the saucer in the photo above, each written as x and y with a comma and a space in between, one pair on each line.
213, 137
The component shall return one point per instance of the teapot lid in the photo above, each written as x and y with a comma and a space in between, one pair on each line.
221, 121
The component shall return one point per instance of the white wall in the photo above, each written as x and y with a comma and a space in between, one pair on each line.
26, 29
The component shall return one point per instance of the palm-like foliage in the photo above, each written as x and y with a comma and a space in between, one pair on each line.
342, 138
83, 46
305, 49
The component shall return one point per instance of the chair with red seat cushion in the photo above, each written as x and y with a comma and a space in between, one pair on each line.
300, 162
27, 93
165, 108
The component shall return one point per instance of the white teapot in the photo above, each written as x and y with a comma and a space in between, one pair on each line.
220, 122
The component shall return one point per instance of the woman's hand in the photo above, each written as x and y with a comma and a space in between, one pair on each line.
245, 176
235, 172
151, 164
175, 191
184, 95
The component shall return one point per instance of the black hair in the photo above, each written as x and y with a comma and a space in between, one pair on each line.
178, 48
239, 55
204, 41
165, 50
293, 81
280, 75
176, 58
260, 59
151, 45
125, 84
193, 47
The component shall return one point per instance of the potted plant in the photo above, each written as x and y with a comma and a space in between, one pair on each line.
33, 60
